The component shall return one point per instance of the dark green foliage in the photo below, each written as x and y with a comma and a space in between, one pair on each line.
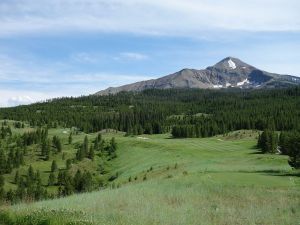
70, 139
268, 141
112, 148
54, 166
5, 131
98, 143
1, 181
83, 151
35, 137
152, 111
68, 164
290, 145
52, 179
30, 189
45, 149
57, 143
14, 158
91, 154
17, 177
83, 182
2, 161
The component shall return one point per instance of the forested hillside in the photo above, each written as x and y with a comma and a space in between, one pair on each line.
194, 113
73, 145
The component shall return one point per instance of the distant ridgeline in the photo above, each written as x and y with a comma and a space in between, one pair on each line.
185, 112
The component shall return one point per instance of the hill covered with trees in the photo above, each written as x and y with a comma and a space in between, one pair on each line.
193, 112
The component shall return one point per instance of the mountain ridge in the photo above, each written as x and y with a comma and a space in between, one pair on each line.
229, 72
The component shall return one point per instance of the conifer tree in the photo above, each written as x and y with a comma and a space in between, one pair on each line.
57, 143
70, 139
17, 177
86, 146
68, 164
54, 166
52, 179
91, 153
78, 185
2, 181
2, 161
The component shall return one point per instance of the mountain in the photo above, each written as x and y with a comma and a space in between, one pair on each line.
229, 72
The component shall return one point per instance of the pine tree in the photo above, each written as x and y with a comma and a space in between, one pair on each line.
2, 161
80, 154
21, 189
113, 144
91, 153
268, 141
294, 150
70, 140
52, 179
45, 149
2, 194
57, 143
30, 177
68, 188
61, 178
68, 164
87, 182
54, 166
17, 177
10, 196
2, 181
86, 146
78, 181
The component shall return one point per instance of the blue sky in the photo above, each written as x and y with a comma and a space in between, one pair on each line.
77, 47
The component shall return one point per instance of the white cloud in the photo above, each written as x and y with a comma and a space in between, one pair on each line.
84, 57
131, 56
168, 17
11, 98
93, 58
19, 100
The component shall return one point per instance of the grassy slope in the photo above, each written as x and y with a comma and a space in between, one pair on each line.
218, 180
33, 157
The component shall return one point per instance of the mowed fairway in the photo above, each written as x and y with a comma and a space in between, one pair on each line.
219, 180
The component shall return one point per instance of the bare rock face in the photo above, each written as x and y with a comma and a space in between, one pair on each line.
230, 72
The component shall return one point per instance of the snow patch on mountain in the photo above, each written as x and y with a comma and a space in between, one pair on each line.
231, 64
246, 81
217, 86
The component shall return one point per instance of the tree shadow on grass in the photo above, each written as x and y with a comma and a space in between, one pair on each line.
256, 152
280, 173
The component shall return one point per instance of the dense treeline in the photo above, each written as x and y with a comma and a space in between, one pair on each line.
288, 143
268, 142
200, 113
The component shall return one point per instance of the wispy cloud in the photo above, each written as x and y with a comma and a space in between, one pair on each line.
131, 56
14, 70
169, 17
93, 58
21, 83
84, 57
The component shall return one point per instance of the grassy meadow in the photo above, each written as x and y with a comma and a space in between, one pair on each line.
222, 180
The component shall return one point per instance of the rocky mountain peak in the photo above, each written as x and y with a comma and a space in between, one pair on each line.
229, 72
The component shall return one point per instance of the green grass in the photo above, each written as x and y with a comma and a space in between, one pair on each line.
219, 180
